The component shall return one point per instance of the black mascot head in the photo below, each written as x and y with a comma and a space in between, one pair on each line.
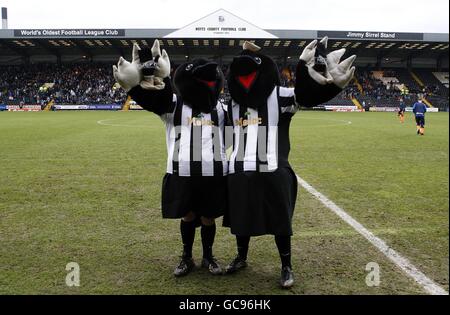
199, 83
252, 77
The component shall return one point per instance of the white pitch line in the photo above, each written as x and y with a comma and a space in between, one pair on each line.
403, 263
103, 123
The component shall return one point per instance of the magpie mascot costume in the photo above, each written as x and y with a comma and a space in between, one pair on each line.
262, 187
194, 187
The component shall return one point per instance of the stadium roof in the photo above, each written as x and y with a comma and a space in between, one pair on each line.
221, 33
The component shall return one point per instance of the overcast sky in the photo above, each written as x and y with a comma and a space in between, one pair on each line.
429, 16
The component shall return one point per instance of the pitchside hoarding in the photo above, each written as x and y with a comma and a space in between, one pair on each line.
341, 108
23, 108
105, 107
429, 109
383, 109
88, 107
395, 109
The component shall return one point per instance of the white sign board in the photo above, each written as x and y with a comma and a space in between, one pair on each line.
221, 24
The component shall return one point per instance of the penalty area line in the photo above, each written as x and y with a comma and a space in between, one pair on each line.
403, 263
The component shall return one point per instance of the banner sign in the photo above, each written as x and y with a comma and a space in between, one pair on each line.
3, 107
429, 109
348, 110
30, 109
23, 108
71, 107
135, 107
370, 35
31, 106
221, 24
105, 107
383, 109
340, 107
88, 107
68, 33
395, 109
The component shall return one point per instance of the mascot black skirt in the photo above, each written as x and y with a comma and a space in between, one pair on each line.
254, 187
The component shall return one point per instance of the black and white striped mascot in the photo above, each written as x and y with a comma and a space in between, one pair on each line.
194, 187
262, 187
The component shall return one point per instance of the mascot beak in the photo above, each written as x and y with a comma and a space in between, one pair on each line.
247, 80
207, 74
246, 69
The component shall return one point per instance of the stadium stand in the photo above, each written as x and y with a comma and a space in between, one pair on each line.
435, 82
345, 97
93, 84
435, 86
442, 78
379, 88
386, 87
396, 57
79, 84
407, 79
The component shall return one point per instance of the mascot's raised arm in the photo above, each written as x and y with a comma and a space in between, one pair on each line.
194, 186
147, 78
321, 76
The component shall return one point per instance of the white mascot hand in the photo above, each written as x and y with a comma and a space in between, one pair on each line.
161, 66
342, 73
338, 73
127, 74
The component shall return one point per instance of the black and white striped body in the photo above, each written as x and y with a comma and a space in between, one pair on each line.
261, 137
195, 140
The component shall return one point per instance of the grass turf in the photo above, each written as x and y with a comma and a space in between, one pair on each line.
85, 187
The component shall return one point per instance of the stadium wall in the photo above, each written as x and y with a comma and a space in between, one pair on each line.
424, 63
43, 59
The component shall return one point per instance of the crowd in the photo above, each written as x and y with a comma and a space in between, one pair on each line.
91, 84
434, 89
79, 84
376, 89
389, 94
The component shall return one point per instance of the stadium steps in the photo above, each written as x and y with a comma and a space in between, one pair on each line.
49, 105
427, 77
404, 76
357, 103
413, 82
126, 106
421, 84
360, 88
427, 102
417, 79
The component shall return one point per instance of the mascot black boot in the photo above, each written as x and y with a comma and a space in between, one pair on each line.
194, 187
262, 187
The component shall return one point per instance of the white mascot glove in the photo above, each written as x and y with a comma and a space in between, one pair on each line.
127, 74
156, 69
338, 73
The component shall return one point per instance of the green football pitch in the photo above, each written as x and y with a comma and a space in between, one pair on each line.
85, 187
